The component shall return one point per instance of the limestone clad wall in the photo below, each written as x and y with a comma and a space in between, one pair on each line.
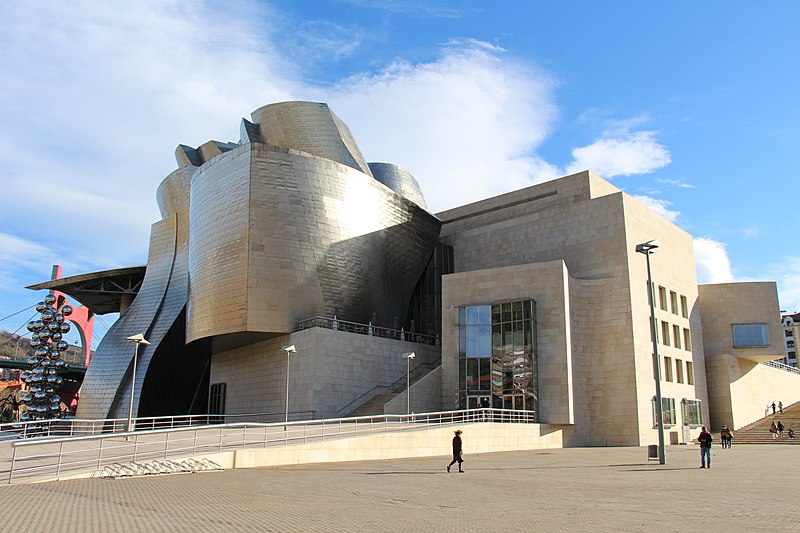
330, 370
593, 228
548, 284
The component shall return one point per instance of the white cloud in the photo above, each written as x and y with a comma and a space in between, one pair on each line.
466, 125
713, 264
621, 154
680, 184
660, 206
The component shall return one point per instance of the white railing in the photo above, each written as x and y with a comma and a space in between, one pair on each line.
50, 459
73, 427
781, 366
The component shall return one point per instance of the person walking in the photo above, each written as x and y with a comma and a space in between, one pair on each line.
456, 452
774, 430
705, 439
725, 437
780, 430
773, 408
780, 407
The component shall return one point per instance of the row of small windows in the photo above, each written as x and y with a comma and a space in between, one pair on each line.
676, 372
671, 303
671, 335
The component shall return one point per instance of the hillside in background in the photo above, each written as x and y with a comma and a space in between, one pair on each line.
16, 347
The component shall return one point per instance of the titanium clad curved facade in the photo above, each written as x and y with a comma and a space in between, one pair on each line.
310, 127
278, 236
399, 180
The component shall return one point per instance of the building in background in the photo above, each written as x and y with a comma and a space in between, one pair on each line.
534, 300
791, 336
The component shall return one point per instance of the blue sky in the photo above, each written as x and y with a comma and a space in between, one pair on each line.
691, 107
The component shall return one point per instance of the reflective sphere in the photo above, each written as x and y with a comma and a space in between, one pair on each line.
65, 327
56, 336
25, 416
39, 395
31, 326
44, 334
50, 299
24, 396
58, 317
35, 343
53, 326
43, 350
63, 345
41, 307
47, 316
66, 310
56, 398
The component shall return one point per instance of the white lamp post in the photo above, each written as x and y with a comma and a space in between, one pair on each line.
409, 357
647, 248
288, 349
137, 339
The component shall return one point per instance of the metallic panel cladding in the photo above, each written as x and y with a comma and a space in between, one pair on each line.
278, 236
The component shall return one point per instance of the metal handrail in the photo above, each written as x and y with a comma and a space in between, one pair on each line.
366, 329
68, 427
388, 387
45, 459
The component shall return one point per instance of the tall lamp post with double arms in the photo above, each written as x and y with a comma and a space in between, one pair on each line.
647, 248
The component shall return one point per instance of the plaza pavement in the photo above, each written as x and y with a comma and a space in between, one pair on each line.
750, 489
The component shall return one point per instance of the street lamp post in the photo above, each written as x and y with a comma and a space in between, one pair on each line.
137, 339
409, 357
647, 248
288, 349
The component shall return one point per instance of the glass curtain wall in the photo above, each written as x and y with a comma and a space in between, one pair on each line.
497, 356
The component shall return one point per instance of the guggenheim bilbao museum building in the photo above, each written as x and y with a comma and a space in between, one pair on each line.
534, 300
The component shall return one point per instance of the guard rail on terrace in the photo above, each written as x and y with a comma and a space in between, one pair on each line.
782, 366
51, 459
366, 329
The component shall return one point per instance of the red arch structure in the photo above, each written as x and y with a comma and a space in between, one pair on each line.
82, 318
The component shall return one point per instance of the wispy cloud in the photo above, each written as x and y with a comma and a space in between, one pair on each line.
410, 7
680, 184
621, 154
713, 264
660, 206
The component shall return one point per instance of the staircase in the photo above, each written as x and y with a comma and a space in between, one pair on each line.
758, 431
374, 406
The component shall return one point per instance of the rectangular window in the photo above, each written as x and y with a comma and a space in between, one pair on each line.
687, 340
673, 302
689, 373
692, 413
665, 333
676, 336
684, 307
678, 370
662, 297
667, 411
790, 344
747, 335
668, 368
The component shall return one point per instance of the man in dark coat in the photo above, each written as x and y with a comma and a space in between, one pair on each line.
456, 452
705, 447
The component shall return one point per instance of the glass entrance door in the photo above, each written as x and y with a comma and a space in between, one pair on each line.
517, 402
478, 402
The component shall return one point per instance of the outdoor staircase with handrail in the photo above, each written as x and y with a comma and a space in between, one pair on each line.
758, 431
